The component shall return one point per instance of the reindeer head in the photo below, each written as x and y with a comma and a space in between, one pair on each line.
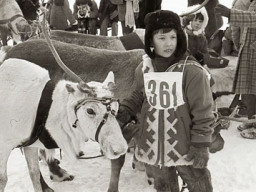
103, 110
87, 116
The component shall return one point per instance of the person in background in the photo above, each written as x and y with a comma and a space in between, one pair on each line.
86, 13
245, 76
128, 11
195, 25
60, 15
108, 15
174, 100
146, 6
237, 31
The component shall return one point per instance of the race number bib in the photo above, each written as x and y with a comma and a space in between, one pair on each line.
164, 89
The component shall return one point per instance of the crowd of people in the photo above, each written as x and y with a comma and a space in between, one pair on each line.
87, 16
173, 95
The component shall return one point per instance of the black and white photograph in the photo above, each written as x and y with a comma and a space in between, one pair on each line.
127, 95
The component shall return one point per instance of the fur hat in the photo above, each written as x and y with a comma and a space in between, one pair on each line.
164, 19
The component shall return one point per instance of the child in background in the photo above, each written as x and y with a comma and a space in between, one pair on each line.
86, 13
174, 99
195, 25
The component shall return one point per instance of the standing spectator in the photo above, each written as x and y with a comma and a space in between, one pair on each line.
174, 99
128, 11
245, 76
108, 15
237, 31
86, 13
146, 6
195, 25
60, 14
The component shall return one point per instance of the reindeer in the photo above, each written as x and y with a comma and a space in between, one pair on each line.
12, 21
101, 42
64, 113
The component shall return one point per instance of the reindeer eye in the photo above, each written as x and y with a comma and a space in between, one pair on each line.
91, 111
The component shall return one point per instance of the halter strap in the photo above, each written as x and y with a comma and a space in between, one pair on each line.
104, 120
5, 21
104, 101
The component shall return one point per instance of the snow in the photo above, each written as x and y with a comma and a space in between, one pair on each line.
233, 169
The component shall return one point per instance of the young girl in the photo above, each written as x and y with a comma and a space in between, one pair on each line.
197, 42
174, 99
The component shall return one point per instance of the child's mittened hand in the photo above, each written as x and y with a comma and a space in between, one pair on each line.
200, 156
199, 57
123, 115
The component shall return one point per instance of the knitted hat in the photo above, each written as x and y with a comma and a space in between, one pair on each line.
164, 19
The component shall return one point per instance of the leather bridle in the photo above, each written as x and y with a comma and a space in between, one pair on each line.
105, 101
9, 21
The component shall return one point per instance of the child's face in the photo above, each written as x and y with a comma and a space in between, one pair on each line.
196, 24
165, 43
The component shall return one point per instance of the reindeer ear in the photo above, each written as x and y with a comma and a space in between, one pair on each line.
109, 79
112, 86
69, 88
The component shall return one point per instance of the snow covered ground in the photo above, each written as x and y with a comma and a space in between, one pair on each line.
233, 170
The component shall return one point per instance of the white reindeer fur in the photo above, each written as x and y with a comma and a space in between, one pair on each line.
62, 108
103, 89
19, 99
21, 85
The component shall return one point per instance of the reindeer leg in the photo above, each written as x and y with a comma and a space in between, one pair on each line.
3, 168
4, 36
128, 131
116, 166
56, 172
44, 185
31, 154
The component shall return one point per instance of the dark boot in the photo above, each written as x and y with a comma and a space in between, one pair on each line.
165, 178
198, 180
